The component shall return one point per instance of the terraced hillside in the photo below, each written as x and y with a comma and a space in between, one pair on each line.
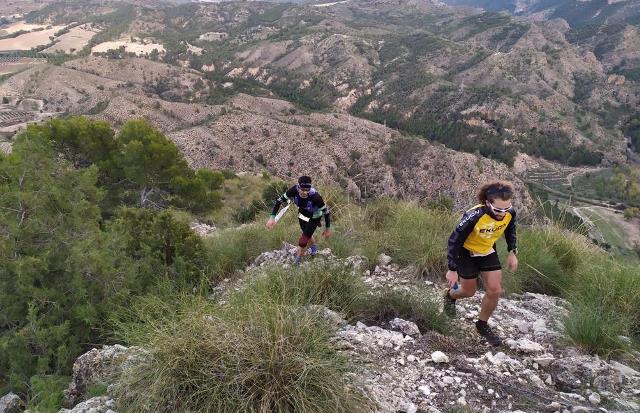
475, 81
587, 200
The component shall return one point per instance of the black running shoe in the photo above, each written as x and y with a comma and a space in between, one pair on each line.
449, 304
485, 331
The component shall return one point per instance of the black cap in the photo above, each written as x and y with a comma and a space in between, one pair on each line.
304, 181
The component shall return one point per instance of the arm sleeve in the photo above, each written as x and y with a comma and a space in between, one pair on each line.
459, 236
327, 217
319, 203
283, 199
510, 233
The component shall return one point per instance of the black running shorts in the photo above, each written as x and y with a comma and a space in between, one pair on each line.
470, 267
309, 227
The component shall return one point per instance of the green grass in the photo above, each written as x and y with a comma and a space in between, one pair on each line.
47, 393
604, 305
410, 234
264, 349
339, 288
601, 290
548, 260
612, 232
329, 284
98, 108
262, 352
596, 330
97, 390
239, 192
263, 358
233, 249
420, 307
552, 261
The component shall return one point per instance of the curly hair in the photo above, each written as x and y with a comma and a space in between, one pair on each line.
494, 190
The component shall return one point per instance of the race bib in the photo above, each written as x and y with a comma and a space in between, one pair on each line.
302, 217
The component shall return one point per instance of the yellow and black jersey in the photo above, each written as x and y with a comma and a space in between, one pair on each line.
478, 232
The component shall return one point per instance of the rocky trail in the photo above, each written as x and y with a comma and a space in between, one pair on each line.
403, 370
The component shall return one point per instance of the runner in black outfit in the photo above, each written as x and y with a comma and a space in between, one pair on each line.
311, 208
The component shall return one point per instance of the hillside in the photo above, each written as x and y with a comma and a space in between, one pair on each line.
260, 134
473, 80
101, 249
403, 368
277, 87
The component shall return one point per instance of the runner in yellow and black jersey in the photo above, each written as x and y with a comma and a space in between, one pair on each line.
472, 252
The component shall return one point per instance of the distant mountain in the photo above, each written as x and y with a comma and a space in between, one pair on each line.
479, 82
577, 13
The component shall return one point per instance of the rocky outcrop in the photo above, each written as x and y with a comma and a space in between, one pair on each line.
99, 366
202, 229
532, 371
10, 403
404, 370
102, 404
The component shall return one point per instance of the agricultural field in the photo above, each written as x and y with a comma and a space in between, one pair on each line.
593, 184
20, 26
19, 7
139, 47
552, 176
72, 42
14, 64
29, 40
563, 182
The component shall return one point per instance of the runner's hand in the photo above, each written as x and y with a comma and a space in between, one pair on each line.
326, 233
271, 223
512, 262
452, 278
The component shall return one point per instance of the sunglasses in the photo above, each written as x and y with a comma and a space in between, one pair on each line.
301, 189
499, 210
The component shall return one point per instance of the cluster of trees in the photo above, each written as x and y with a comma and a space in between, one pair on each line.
460, 136
584, 84
452, 131
140, 167
318, 95
556, 146
15, 34
623, 186
508, 36
432, 122
578, 13
84, 229
409, 47
633, 133
268, 15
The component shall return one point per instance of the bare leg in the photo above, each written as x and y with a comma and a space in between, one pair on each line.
467, 288
493, 289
